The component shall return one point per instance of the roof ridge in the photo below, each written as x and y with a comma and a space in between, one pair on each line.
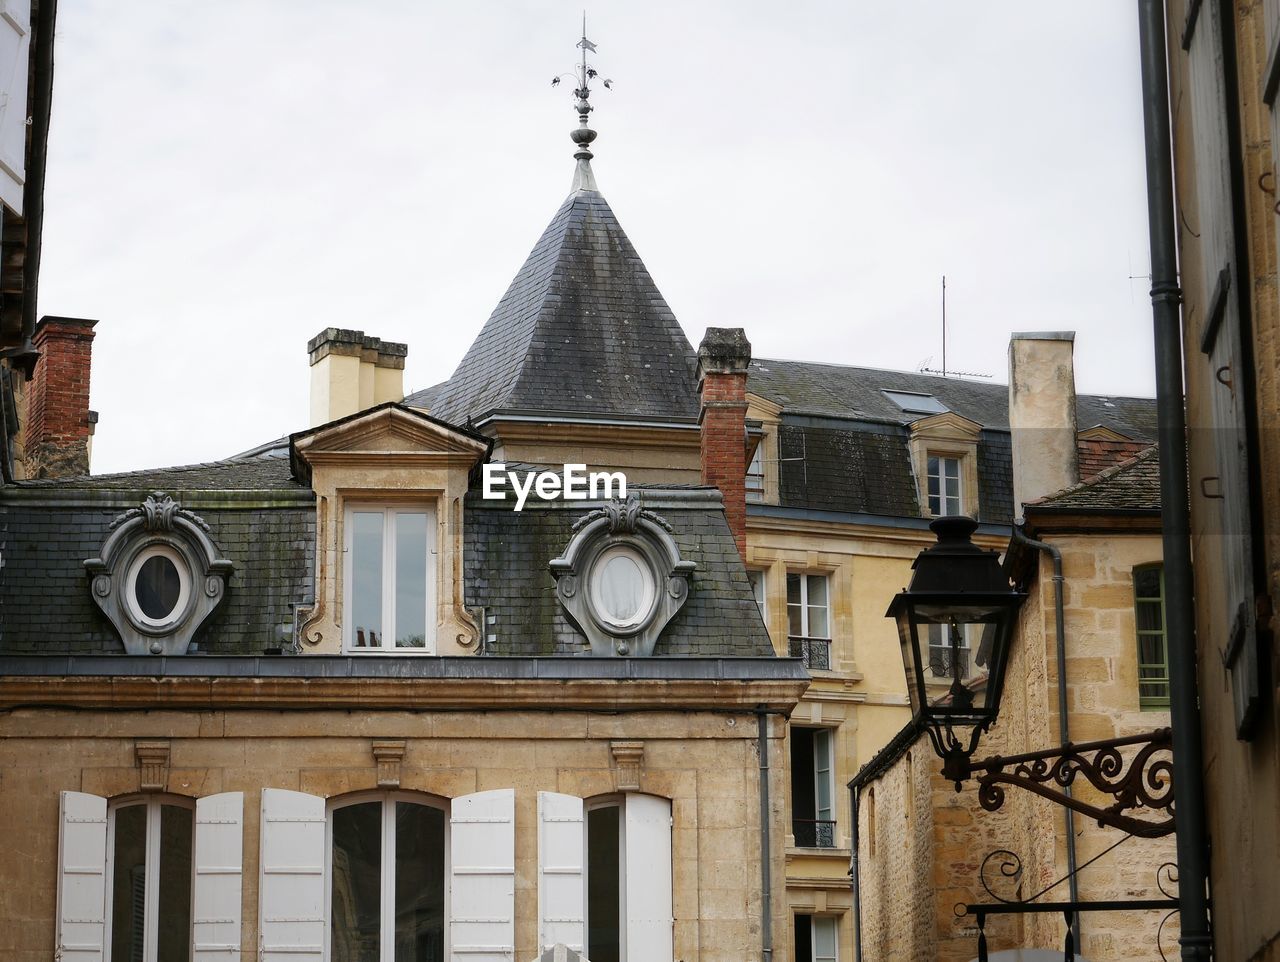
1101, 477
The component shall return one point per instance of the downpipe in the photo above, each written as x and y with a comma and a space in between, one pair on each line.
1064, 731
766, 873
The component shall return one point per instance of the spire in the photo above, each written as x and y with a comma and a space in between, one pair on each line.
584, 73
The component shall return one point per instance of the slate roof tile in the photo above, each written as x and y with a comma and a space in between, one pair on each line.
1133, 484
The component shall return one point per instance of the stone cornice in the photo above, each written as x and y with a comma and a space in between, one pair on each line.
311, 682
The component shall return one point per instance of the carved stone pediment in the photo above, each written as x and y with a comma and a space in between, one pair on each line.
158, 576
621, 578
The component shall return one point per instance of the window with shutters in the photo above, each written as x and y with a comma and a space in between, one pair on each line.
390, 577
813, 817
1153, 649
627, 879
816, 938
149, 879
387, 872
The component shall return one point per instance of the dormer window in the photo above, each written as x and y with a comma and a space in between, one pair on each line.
389, 576
944, 486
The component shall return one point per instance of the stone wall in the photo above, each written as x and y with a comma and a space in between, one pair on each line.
706, 763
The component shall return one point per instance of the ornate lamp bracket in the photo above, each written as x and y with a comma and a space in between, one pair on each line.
1139, 779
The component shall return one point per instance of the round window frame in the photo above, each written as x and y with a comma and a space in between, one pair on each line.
644, 560
133, 567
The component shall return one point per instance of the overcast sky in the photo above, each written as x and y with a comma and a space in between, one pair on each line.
227, 179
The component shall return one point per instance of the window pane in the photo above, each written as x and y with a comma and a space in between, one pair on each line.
419, 910
795, 624
366, 579
818, 590
1149, 616
1146, 582
793, 589
824, 940
173, 942
603, 892
804, 938
622, 588
158, 587
357, 882
129, 883
757, 587
818, 626
411, 579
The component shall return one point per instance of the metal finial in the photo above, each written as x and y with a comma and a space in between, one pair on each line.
583, 74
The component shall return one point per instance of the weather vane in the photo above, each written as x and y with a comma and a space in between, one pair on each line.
583, 74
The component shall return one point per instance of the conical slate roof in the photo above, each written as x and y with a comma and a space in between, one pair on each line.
581, 330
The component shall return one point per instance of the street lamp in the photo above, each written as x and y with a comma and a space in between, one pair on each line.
955, 623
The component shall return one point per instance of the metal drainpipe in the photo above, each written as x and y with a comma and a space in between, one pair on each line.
33, 189
1064, 732
766, 884
1166, 296
855, 879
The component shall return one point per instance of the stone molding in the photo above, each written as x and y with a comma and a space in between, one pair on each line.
153, 765
388, 755
628, 765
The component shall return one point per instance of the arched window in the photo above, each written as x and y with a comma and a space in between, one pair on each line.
149, 878
387, 858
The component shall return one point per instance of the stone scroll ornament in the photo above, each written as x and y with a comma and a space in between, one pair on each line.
621, 578
158, 577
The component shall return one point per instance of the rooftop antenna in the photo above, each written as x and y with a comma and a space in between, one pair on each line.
582, 76
923, 369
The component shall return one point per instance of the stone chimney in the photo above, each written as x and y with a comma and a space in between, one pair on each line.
723, 358
351, 372
1042, 414
59, 423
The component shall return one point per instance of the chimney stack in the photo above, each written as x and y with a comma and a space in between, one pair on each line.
351, 372
59, 424
723, 358
1042, 414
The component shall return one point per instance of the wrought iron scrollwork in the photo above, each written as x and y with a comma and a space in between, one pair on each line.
1144, 781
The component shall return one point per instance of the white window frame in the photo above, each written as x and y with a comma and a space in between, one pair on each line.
966, 635
389, 511
386, 905
804, 605
151, 867
944, 500
814, 920
621, 801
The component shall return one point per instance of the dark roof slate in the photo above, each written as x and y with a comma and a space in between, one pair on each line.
258, 472
582, 328
507, 573
1131, 485
855, 471
841, 391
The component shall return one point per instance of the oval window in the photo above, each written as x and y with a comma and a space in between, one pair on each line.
157, 586
622, 587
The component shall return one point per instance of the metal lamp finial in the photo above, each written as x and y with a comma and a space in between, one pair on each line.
583, 74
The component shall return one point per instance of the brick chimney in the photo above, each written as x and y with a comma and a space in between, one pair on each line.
59, 424
351, 371
723, 358
1042, 414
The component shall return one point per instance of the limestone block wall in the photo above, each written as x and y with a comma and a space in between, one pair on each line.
705, 763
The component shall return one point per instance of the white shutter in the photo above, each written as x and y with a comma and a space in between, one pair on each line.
291, 926
218, 847
482, 845
822, 778
648, 898
82, 877
15, 47
560, 849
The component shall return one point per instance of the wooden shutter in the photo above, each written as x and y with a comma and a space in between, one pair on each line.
15, 47
82, 877
1223, 487
648, 897
218, 860
561, 898
291, 925
482, 877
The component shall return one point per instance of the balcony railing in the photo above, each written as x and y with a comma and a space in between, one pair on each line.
943, 660
814, 652
810, 833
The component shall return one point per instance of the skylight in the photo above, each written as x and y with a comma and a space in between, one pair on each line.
913, 403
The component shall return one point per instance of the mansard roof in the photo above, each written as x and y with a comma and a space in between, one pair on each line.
582, 329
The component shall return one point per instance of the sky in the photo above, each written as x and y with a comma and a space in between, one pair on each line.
225, 180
